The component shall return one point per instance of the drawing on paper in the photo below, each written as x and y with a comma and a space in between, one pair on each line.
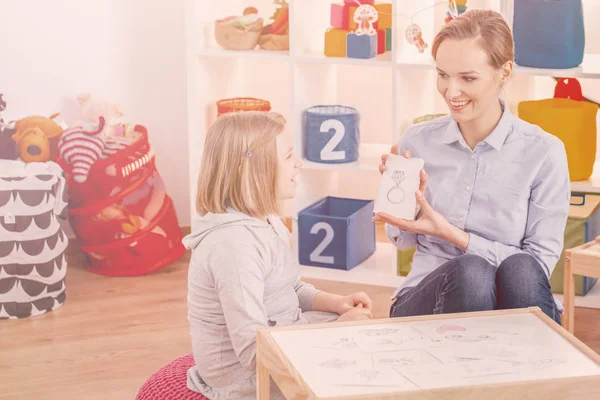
450, 328
427, 354
338, 363
378, 332
342, 343
469, 338
396, 194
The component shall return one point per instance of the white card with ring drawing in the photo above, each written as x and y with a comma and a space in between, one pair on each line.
398, 185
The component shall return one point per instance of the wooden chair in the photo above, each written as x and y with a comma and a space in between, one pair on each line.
581, 260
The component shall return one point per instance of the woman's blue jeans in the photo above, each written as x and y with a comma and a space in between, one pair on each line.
469, 283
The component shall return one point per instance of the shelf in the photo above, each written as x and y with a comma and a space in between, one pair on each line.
379, 270
590, 67
369, 160
267, 54
382, 60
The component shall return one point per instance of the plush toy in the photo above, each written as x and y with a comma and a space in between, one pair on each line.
85, 110
2, 107
82, 148
37, 138
8, 147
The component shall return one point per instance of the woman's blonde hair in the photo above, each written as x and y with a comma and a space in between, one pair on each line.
239, 164
488, 27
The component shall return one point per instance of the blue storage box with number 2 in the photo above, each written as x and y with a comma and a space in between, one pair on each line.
332, 134
336, 233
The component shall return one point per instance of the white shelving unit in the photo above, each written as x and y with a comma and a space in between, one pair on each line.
388, 91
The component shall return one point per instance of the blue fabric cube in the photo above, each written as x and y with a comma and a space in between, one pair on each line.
332, 134
336, 233
361, 46
548, 34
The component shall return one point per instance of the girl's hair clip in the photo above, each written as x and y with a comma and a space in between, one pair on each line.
249, 154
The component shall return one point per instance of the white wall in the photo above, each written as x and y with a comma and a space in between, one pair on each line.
130, 52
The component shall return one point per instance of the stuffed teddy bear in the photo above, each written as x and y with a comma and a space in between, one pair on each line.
37, 138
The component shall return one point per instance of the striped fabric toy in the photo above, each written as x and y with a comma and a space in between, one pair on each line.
82, 148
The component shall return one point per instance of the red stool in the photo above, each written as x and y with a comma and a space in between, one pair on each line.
170, 382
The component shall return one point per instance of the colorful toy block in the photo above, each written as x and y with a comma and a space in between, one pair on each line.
385, 15
335, 42
361, 46
388, 39
381, 38
353, 25
339, 16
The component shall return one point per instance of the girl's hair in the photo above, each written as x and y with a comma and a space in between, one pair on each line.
239, 164
488, 27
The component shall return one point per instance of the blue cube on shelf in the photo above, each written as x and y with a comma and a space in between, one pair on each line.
361, 46
332, 134
336, 233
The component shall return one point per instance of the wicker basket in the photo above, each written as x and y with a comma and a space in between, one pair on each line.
242, 104
274, 42
234, 38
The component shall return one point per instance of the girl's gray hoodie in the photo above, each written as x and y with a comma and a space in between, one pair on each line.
242, 276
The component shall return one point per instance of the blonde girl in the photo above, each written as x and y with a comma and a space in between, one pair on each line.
243, 274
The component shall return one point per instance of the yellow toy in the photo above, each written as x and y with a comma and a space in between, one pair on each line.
335, 42
37, 138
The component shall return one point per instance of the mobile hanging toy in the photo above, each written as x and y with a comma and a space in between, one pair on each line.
414, 35
365, 15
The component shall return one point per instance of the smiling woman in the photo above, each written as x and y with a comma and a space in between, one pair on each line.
489, 236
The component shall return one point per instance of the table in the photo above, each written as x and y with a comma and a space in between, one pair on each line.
581, 260
503, 354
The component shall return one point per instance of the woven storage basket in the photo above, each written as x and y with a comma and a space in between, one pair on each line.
234, 38
242, 104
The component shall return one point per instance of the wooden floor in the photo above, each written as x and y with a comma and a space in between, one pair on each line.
112, 333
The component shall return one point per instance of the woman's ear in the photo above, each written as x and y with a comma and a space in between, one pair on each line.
506, 71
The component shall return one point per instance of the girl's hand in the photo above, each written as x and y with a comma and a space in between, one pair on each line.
353, 300
422, 176
357, 313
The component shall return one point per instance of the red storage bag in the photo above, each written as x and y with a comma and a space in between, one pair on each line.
122, 217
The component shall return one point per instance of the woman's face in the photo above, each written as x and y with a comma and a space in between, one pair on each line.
466, 80
288, 167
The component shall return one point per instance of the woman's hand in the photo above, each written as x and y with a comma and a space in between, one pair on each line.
422, 175
357, 313
353, 300
429, 223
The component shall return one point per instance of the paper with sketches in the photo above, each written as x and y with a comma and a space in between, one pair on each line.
399, 182
474, 332
443, 375
404, 358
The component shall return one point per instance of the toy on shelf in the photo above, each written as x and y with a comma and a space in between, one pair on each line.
275, 36
332, 134
359, 29
239, 32
455, 8
225, 106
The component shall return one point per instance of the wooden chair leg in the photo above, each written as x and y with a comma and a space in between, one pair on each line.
568, 295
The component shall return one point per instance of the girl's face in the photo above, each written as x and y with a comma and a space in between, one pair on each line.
288, 167
466, 80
